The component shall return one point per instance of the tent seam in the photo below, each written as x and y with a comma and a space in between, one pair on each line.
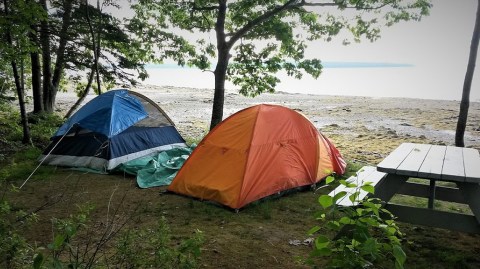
248, 155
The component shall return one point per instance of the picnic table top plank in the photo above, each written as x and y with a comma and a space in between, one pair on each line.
394, 159
414, 160
471, 160
433, 164
453, 165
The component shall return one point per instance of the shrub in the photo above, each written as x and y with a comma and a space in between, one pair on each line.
15, 252
152, 248
360, 236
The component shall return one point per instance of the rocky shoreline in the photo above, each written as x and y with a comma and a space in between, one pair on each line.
365, 129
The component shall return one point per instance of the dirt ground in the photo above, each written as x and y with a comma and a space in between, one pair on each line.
364, 129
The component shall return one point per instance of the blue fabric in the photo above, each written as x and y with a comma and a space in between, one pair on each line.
140, 138
108, 114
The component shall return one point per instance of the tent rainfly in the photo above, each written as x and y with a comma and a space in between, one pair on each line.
257, 152
111, 129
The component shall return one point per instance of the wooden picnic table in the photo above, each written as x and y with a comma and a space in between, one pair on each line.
435, 163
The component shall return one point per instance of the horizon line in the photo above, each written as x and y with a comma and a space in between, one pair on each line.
326, 64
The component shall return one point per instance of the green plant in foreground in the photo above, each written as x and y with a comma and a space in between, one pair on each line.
152, 248
361, 236
63, 252
15, 252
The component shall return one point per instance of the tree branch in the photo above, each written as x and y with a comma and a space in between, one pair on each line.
210, 8
196, 8
304, 3
291, 4
308, 4
260, 19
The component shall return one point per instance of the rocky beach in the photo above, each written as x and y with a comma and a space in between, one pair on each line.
365, 129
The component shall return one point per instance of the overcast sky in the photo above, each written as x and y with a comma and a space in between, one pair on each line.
436, 49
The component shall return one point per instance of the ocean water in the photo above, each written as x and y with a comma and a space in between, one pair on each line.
373, 79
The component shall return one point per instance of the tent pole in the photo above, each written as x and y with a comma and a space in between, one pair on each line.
41, 162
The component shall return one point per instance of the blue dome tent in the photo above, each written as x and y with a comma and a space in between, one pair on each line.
111, 129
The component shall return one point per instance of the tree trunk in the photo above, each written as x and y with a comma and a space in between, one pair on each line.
21, 102
46, 60
18, 85
60, 62
222, 65
82, 96
36, 77
36, 83
95, 46
467, 84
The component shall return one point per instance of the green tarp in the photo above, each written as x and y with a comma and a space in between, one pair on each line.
158, 170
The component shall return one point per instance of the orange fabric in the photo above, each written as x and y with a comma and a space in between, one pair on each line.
325, 165
254, 153
214, 171
282, 154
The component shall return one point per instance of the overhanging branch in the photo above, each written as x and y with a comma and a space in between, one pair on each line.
304, 3
206, 8
291, 4
260, 19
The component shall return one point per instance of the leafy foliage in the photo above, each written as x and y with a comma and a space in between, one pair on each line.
17, 20
62, 252
72, 245
272, 35
152, 248
118, 50
362, 235
15, 252
42, 127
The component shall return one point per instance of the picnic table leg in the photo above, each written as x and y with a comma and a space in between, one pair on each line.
471, 193
431, 198
388, 186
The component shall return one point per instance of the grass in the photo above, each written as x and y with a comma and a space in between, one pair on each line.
256, 237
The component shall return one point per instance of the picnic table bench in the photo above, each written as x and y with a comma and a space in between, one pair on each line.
365, 174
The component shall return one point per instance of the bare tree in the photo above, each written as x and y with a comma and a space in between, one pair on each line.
467, 84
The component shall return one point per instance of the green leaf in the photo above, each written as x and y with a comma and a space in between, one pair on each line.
369, 204
368, 188
339, 196
370, 221
329, 179
353, 197
391, 230
70, 231
351, 185
319, 215
333, 225
58, 241
325, 201
313, 230
38, 261
346, 220
400, 256
321, 242
321, 252
370, 247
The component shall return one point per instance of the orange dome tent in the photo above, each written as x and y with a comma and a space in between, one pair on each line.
257, 152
